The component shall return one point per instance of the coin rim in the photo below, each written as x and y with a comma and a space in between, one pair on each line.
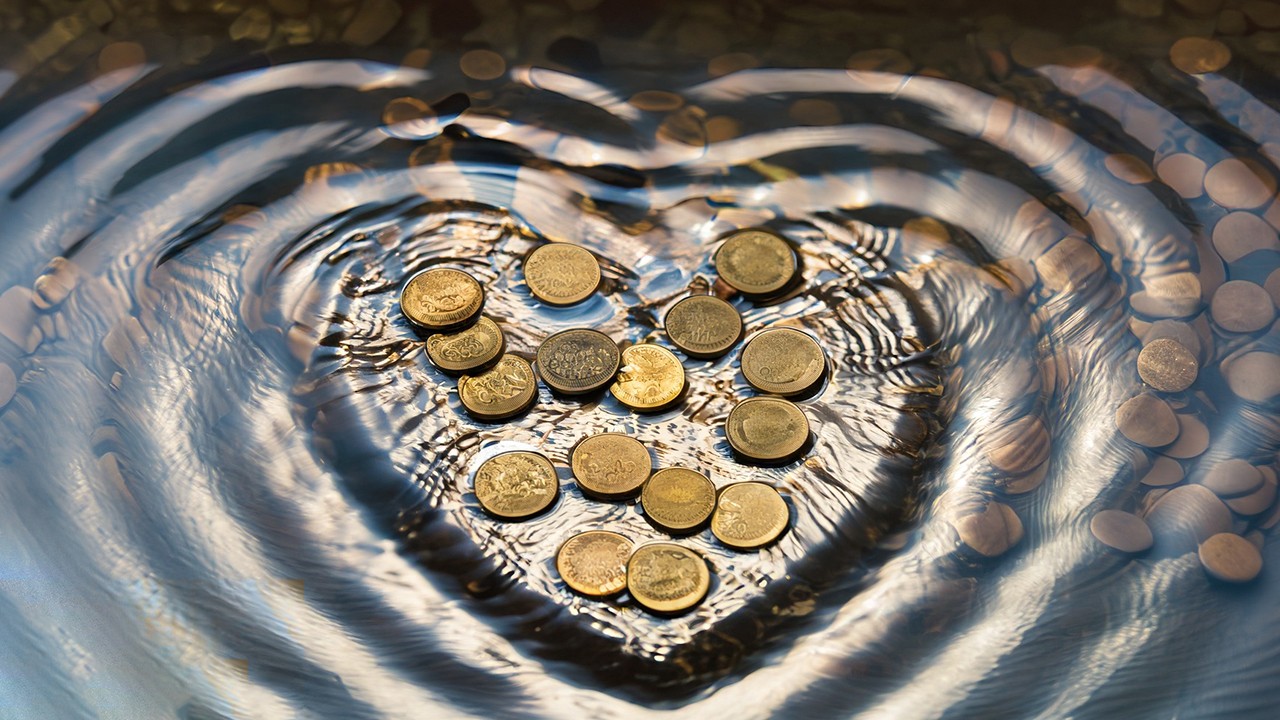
585, 593
802, 392
704, 582
590, 492
502, 349
555, 495
486, 417
576, 298
580, 391
759, 294
695, 354
779, 459
451, 327
786, 523
684, 382
672, 529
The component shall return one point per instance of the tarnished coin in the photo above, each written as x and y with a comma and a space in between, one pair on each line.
767, 429
703, 326
678, 499
467, 350
578, 361
561, 274
666, 578
783, 361
749, 515
756, 262
651, 378
1167, 365
516, 485
441, 299
610, 466
594, 563
504, 390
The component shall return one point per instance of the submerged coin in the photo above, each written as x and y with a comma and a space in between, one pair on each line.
756, 262
578, 361
516, 485
1166, 365
467, 350
1230, 558
561, 273
504, 390
666, 578
441, 299
749, 515
783, 361
767, 429
651, 378
678, 499
611, 466
703, 326
594, 563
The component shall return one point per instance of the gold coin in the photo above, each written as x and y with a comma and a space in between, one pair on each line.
504, 390
561, 274
441, 299
610, 466
678, 499
767, 429
783, 361
749, 515
756, 262
651, 378
516, 485
666, 578
594, 563
703, 326
467, 350
578, 361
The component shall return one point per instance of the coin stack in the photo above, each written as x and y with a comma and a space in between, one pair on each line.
781, 363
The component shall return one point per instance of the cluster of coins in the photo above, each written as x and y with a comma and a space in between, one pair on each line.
768, 429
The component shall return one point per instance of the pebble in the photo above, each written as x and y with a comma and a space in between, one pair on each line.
1254, 376
1241, 306
1163, 473
1019, 447
1121, 531
1167, 365
1186, 516
1147, 420
1232, 478
990, 532
1230, 558
1240, 233
1193, 438
1184, 173
482, 64
1194, 55
1239, 184
1256, 502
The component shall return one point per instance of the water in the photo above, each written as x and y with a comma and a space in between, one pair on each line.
231, 485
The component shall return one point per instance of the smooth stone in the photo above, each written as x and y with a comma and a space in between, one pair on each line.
1230, 558
1147, 420
1254, 376
1232, 478
990, 532
1241, 306
1121, 531
1186, 516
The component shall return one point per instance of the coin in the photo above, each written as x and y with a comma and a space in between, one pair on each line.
678, 499
504, 390
703, 326
1167, 365
651, 378
467, 350
516, 485
783, 361
767, 429
756, 262
441, 299
578, 361
1240, 306
666, 578
1121, 531
561, 274
1230, 558
1195, 55
610, 466
1147, 420
594, 563
749, 515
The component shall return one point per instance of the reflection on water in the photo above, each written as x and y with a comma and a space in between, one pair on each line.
1044, 268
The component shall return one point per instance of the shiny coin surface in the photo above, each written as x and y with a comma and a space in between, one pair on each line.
703, 326
594, 563
504, 390
749, 515
756, 262
678, 499
561, 274
666, 578
1166, 365
767, 429
611, 466
651, 378
467, 350
441, 299
783, 361
578, 361
516, 485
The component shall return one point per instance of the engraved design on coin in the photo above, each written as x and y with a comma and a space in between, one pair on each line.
561, 273
766, 429
441, 298
667, 578
516, 485
594, 563
651, 378
749, 515
578, 361
703, 326
678, 499
611, 465
756, 262
783, 360
468, 349
503, 390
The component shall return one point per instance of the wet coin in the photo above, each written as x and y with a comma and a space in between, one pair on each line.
467, 350
611, 466
1167, 365
561, 274
1147, 420
1232, 478
442, 299
749, 515
767, 429
594, 563
516, 485
666, 578
578, 361
756, 262
504, 390
1241, 306
703, 326
783, 361
991, 532
678, 499
1121, 531
1230, 558
651, 378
